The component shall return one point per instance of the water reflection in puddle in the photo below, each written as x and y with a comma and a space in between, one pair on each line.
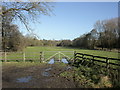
48, 69
64, 60
51, 61
46, 74
24, 79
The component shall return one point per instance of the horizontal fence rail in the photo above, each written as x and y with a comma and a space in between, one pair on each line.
106, 62
43, 56
21, 56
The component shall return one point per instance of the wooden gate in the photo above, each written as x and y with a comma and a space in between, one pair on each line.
57, 55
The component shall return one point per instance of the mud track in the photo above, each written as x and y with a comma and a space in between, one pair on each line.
40, 76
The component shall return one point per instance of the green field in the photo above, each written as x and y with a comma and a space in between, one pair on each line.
33, 53
92, 52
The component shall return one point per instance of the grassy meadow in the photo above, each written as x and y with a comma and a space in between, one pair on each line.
85, 51
33, 53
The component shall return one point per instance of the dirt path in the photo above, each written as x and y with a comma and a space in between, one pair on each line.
36, 76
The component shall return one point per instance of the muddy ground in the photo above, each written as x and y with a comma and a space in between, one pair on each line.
36, 76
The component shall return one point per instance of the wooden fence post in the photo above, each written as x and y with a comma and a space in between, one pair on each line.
59, 56
24, 56
74, 56
40, 57
107, 63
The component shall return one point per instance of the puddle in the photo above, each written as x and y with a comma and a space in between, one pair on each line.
24, 79
46, 74
48, 69
51, 61
69, 67
64, 60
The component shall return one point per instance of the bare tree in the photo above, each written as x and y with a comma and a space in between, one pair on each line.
108, 32
26, 12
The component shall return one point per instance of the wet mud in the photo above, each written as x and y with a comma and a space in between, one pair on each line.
40, 76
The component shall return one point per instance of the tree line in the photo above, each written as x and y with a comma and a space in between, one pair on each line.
105, 34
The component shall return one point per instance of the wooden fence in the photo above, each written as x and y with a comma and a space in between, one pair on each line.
100, 65
21, 56
43, 56
86, 59
79, 58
